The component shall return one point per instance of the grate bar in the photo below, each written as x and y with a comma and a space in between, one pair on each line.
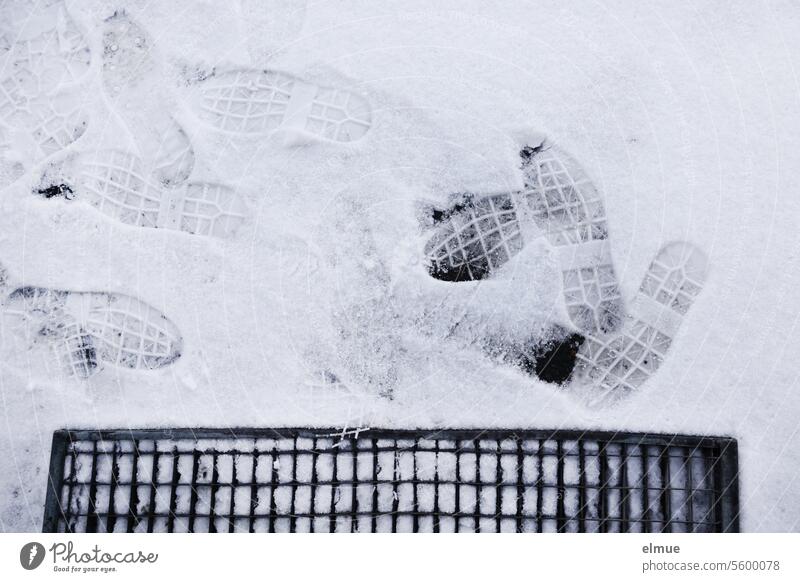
111, 523
151, 509
520, 486
133, 499
314, 485
232, 501
539, 486
173, 491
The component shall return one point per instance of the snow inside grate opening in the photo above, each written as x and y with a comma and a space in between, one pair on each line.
304, 480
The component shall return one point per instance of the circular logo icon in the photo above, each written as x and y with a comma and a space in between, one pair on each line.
31, 555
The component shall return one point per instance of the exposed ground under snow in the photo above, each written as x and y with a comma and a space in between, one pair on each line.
686, 116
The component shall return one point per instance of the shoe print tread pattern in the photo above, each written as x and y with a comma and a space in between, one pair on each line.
567, 208
54, 130
252, 102
592, 298
478, 239
130, 66
675, 278
614, 365
47, 62
563, 205
174, 159
35, 314
85, 329
75, 351
562, 200
10, 169
127, 56
116, 184
43, 123
129, 333
52, 124
41, 51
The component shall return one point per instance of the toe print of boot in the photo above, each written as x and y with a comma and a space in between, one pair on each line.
559, 202
86, 330
475, 239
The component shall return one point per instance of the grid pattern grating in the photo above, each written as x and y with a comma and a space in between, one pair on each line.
303, 480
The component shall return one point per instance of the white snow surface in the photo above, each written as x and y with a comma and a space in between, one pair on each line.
686, 115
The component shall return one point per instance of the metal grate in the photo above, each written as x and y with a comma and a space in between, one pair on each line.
304, 480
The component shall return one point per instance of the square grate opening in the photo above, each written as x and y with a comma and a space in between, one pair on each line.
310, 480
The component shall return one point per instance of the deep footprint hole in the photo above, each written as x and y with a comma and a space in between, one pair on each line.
56, 191
555, 360
441, 214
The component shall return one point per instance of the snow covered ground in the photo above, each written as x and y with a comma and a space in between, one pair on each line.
309, 302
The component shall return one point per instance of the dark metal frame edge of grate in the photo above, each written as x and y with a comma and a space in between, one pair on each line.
727, 502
